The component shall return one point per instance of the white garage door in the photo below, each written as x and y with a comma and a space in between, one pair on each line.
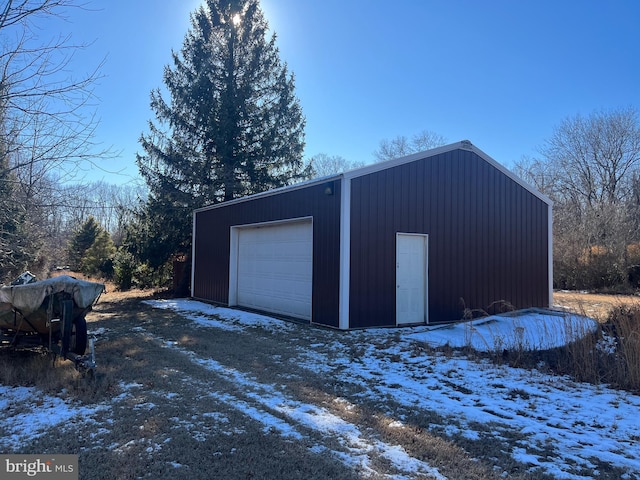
275, 268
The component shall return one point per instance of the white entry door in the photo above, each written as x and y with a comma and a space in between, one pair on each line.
274, 268
411, 278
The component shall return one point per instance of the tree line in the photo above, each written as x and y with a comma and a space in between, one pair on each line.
226, 124
47, 126
590, 168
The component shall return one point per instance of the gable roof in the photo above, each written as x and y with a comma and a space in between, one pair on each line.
461, 145
376, 167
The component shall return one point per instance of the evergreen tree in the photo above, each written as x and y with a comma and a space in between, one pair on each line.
233, 125
98, 258
82, 241
158, 231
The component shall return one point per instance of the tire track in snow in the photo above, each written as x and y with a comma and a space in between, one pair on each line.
290, 418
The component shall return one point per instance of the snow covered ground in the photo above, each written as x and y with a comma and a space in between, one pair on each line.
565, 429
526, 331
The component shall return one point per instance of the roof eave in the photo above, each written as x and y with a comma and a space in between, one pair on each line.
376, 167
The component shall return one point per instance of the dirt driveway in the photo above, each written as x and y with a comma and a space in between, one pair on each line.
190, 395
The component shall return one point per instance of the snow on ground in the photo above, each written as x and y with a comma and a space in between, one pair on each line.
233, 320
27, 414
567, 426
528, 330
359, 446
564, 428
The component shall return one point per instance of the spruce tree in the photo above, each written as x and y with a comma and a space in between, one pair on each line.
232, 126
82, 240
98, 258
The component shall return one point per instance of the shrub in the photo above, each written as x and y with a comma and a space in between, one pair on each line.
596, 268
146, 276
123, 268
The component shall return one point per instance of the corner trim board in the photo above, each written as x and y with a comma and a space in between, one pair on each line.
345, 254
550, 253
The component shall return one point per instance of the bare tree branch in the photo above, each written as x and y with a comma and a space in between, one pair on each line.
402, 146
590, 167
47, 130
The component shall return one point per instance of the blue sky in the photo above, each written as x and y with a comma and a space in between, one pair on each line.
499, 73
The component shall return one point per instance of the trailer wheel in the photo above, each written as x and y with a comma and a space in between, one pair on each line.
78, 341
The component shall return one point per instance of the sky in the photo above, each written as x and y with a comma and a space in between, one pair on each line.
550, 423
502, 74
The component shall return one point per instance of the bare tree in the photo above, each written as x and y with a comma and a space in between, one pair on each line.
402, 146
48, 115
589, 167
47, 118
18, 11
111, 205
598, 155
323, 165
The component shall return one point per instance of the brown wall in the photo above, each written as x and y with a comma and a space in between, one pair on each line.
212, 236
488, 237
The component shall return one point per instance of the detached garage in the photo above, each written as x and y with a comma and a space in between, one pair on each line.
411, 241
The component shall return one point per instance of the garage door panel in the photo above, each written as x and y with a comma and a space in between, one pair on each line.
281, 287
275, 266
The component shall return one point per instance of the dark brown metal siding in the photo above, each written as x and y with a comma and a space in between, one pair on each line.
488, 238
212, 237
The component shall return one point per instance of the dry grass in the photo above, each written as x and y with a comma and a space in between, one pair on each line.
610, 355
178, 411
619, 347
595, 306
167, 414
31, 367
51, 375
